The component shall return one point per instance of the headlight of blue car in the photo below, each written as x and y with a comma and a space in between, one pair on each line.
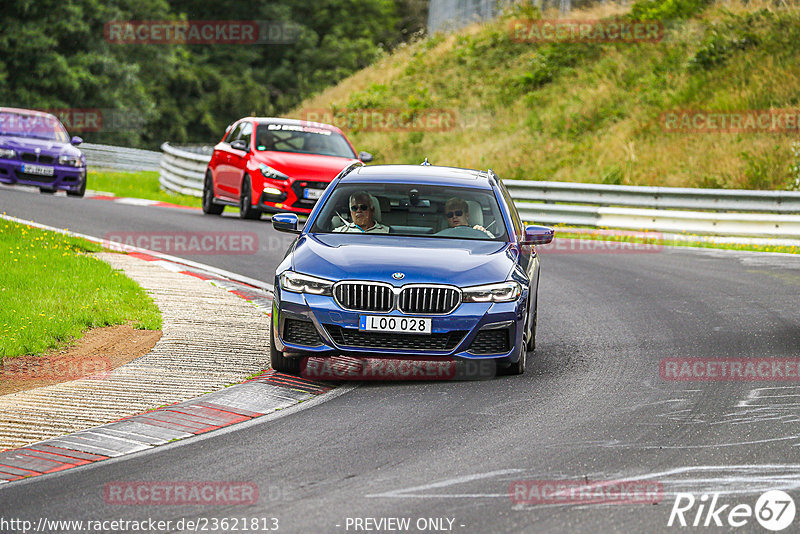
7, 153
502, 292
303, 283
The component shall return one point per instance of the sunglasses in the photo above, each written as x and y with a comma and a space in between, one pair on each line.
457, 213
359, 207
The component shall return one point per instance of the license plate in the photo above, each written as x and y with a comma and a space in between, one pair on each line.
41, 170
312, 194
406, 325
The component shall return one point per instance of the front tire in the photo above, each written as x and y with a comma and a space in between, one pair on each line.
532, 331
279, 362
246, 210
209, 208
518, 367
79, 193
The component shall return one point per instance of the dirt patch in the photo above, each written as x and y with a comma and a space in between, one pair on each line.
93, 356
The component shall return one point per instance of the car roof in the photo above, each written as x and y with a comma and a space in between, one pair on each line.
293, 122
422, 174
22, 111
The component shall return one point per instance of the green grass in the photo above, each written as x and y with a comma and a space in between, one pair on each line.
588, 112
142, 184
52, 289
656, 238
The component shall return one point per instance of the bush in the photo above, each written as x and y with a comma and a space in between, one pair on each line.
667, 9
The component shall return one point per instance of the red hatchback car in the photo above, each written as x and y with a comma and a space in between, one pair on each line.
270, 165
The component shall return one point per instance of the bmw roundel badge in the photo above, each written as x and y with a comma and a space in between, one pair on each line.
398, 276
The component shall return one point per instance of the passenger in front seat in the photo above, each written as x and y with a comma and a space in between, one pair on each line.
457, 212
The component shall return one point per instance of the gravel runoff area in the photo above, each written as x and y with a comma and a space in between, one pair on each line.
211, 339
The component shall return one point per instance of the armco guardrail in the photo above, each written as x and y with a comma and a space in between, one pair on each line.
770, 213
120, 158
661, 209
656, 197
183, 169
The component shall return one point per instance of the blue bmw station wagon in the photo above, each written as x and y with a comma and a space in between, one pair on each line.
408, 261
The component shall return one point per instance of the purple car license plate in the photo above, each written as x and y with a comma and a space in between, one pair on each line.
41, 170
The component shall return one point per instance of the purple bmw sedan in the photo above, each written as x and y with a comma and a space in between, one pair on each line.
36, 150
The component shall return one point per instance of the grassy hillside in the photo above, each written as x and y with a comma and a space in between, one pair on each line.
591, 112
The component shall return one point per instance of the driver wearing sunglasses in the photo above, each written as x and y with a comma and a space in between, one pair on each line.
457, 212
362, 213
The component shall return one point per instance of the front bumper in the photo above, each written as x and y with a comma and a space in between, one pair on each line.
314, 325
64, 178
292, 197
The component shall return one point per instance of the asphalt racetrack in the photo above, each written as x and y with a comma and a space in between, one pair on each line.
596, 404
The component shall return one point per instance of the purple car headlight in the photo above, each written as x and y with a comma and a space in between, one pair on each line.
71, 161
7, 153
502, 292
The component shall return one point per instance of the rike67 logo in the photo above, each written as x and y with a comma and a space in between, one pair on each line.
774, 510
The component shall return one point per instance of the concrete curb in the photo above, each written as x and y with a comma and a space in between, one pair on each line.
211, 340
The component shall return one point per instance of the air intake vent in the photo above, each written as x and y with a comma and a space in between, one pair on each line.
491, 342
301, 333
350, 337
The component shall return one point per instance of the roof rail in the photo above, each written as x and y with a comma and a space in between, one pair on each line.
347, 170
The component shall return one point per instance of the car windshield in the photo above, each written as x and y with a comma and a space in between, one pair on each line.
420, 210
32, 125
302, 140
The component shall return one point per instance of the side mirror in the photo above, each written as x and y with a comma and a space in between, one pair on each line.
239, 144
538, 235
76, 140
285, 222
366, 157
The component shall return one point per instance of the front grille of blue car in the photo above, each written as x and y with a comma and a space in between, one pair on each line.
491, 342
428, 299
380, 297
301, 333
350, 337
364, 296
